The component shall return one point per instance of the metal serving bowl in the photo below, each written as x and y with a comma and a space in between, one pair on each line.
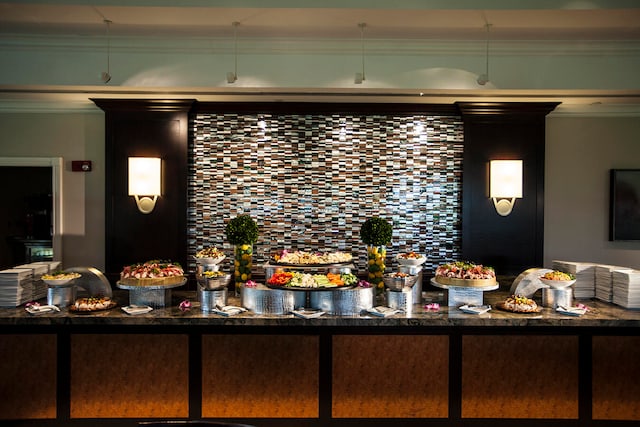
213, 283
398, 283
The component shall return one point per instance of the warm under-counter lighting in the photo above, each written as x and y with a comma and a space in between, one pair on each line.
145, 181
505, 184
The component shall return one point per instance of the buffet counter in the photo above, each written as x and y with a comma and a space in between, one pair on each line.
425, 368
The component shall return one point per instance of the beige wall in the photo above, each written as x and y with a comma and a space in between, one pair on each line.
72, 136
580, 151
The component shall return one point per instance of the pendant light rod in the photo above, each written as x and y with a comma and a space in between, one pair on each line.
360, 77
106, 76
232, 77
483, 79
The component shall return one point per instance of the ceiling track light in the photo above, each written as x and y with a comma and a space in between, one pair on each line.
106, 75
483, 79
360, 77
232, 76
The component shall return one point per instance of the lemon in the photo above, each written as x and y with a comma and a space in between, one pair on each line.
244, 247
243, 277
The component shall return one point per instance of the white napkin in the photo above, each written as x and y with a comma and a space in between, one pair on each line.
307, 314
475, 309
40, 309
382, 311
571, 311
228, 310
136, 309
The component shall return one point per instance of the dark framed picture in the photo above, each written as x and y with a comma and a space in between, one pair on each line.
624, 215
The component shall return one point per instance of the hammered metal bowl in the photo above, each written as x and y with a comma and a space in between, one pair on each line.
395, 283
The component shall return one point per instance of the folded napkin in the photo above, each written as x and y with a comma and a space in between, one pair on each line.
228, 310
475, 309
382, 311
40, 309
136, 309
571, 311
307, 314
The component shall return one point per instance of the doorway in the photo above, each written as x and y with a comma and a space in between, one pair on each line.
30, 211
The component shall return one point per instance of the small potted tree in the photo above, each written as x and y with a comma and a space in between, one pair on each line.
242, 232
376, 233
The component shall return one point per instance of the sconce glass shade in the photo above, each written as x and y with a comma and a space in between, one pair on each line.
505, 184
145, 181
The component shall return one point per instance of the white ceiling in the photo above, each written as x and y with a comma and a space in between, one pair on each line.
400, 19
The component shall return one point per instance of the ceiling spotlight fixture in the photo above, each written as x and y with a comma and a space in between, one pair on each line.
232, 76
483, 79
360, 76
106, 75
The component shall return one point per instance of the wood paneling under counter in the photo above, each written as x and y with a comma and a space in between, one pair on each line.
520, 377
129, 376
28, 376
253, 376
390, 376
616, 378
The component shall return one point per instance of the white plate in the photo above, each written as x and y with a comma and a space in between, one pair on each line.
383, 311
475, 309
41, 309
411, 261
229, 310
136, 309
307, 314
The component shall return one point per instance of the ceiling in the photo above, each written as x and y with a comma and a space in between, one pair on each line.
510, 20
400, 19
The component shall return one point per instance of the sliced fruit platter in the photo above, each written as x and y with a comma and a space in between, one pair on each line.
288, 257
307, 281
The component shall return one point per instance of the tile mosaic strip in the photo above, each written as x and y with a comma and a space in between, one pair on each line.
310, 181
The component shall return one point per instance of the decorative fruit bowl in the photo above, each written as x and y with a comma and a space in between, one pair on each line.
399, 281
214, 280
411, 258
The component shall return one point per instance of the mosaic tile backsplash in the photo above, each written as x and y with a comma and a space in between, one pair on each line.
310, 181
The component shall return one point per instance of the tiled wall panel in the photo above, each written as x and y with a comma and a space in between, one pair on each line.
310, 181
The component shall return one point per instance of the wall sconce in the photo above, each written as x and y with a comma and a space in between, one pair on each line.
505, 184
145, 181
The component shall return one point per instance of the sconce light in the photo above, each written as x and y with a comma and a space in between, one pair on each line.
505, 184
144, 181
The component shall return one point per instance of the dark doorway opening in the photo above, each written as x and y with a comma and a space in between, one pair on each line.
26, 215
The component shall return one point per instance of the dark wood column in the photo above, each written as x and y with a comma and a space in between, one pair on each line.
503, 131
147, 128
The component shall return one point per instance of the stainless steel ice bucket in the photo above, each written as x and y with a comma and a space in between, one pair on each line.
209, 299
400, 300
552, 297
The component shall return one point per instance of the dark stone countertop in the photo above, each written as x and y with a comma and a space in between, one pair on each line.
601, 315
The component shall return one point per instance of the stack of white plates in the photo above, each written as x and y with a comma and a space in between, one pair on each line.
38, 286
626, 288
585, 277
15, 286
604, 281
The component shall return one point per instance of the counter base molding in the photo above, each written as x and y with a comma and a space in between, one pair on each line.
129, 376
520, 377
390, 376
260, 376
616, 378
28, 371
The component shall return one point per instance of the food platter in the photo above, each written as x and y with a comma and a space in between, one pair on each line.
73, 309
310, 289
503, 307
451, 282
272, 261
